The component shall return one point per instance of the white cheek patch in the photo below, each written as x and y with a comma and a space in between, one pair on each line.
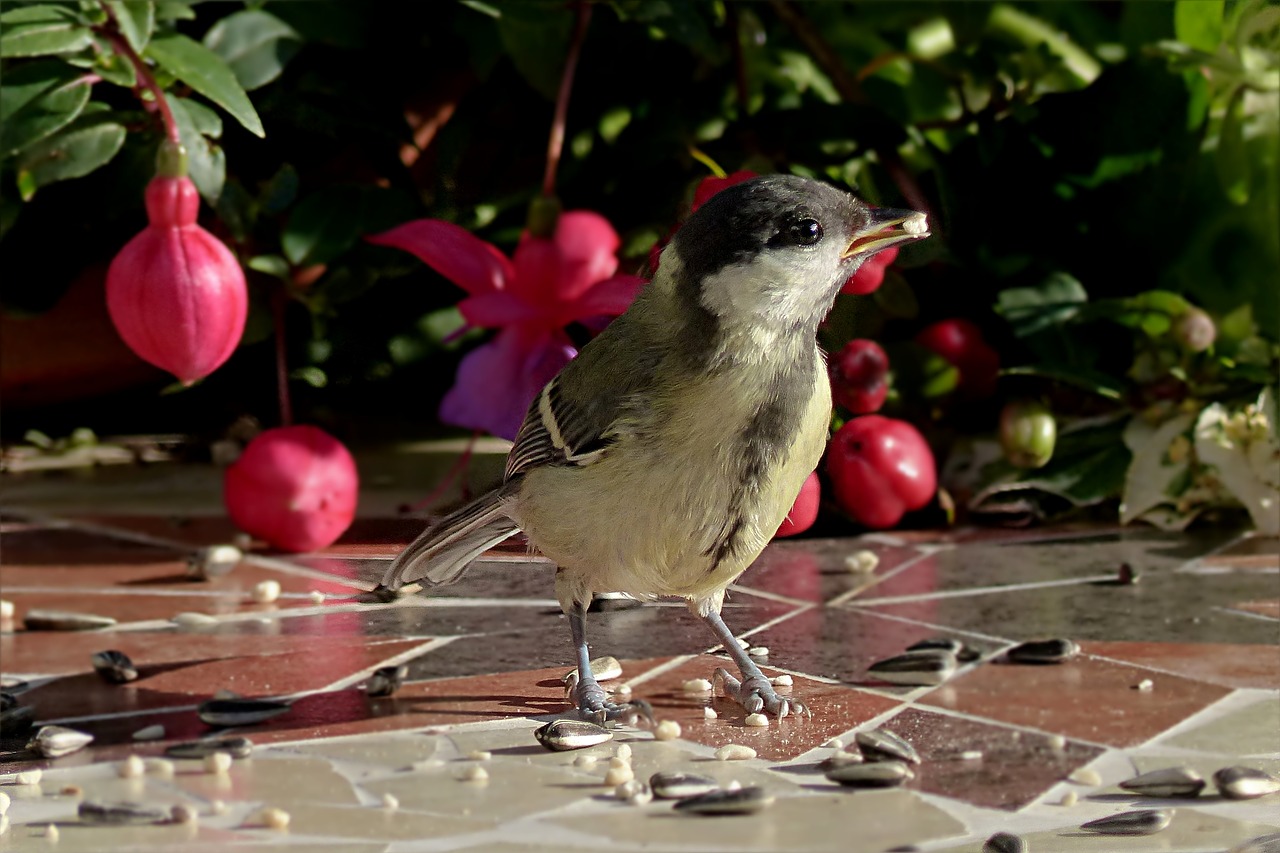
775, 289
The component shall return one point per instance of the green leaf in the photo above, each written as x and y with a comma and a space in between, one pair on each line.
1054, 301
206, 163
204, 71
42, 30
36, 100
78, 149
137, 20
237, 210
536, 36
106, 63
279, 192
1090, 380
203, 119
1232, 160
327, 223
1198, 23
174, 10
256, 45
272, 265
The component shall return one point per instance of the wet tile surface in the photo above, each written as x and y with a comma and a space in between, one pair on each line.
998, 741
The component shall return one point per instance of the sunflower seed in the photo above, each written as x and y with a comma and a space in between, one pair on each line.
6, 609
667, 730
748, 800
735, 752
24, 777
236, 747
1141, 822
756, 720
1085, 776
62, 620
56, 741
119, 814
1261, 844
1169, 782
840, 759
585, 762
386, 680
616, 776
149, 732
265, 592
390, 802
921, 668
758, 651
884, 745
114, 666
239, 712
217, 762
563, 735
1044, 651
475, 773
52, 834
15, 717
1245, 783
696, 685
1005, 842
679, 786
878, 774
316, 596
604, 668
783, 680
214, 561
1146, 685
862, 562
942, 644
1069, 799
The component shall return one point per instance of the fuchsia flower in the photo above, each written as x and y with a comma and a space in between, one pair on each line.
545, 286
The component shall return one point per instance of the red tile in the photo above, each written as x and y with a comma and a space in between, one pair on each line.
1230, 665
1088, 698
814, 569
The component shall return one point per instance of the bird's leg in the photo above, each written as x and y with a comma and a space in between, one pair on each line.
754, 692
592, 701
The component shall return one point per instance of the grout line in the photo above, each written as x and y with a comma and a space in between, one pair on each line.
934, 626
660, 669
363, 674
985, 590
1248, 614
973, 718
876, 580
767, 596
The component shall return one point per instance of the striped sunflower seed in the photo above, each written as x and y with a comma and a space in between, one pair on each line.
1005, 842
884, 745
680, 786
566, 734
56, 741
1141, 822
120, 813
748, 800
915, 669
386, 680
239, 712
236, 747
1168, 782
1245, 783
877, 774
1058, 650
114, 666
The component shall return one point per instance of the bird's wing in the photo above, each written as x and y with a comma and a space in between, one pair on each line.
558, 431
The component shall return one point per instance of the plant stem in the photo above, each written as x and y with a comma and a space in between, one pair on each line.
582, 17
121, 44
278, 305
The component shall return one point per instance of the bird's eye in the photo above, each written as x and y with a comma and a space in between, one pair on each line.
805, 232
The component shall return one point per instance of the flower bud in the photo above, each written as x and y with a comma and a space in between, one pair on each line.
1195, 330
175, 292
296, 487
1028, 433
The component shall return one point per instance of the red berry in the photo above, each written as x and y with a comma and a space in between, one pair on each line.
961, 343
870, 275
858, 376
880, 469
295, 487
804, 512
708, 187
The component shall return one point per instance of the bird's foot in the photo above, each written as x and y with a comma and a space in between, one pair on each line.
594, 706
755, 693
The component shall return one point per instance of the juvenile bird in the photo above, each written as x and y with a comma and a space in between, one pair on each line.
662, 459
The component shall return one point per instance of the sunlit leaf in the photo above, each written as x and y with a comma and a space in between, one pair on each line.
255, 44
206, 72
42, 30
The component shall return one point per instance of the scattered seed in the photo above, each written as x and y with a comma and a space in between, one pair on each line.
884, 745
623, 751
970, 755
709, 713
265, 592
239, 712
119, 814
1142, 822
921, 668
317, 597
51, 833
149, 733
563, 735
71, 791
756, 720
622, 689
834, 743
616, 762
617, 775
475, 773
4, 824
585, 762
1169, 782
214, 561
1057, 650
840, 759
63, 620
1069, 799
633, 791
1005, 842
783, 680
742, 641
6, 608
862, 562
114, 666
878, 774
1085, 776
480, 755
161, 767
696, 685
23, 777
217, 762
678, 786
748, 800
192, 619
183, 813
218, 807
274, 818
56, 741
667, 730
390, 802
4, 802
131, 768
236, 747
1146, 685
735, 752
386, 680
758, 651
1056, 742
604, 668
1245, 783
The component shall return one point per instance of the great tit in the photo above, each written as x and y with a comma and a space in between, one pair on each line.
662, 459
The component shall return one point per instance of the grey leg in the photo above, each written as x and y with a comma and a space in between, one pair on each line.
590, 697
754, 692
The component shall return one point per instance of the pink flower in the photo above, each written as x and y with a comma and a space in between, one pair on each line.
530, 298
707, 187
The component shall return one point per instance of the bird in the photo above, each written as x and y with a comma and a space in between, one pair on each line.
662, 459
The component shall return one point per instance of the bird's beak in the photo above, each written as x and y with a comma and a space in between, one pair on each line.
887, 227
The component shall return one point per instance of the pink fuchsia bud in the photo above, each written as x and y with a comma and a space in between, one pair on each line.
175, 292
804, 512
870, 275
859, 374
295, 487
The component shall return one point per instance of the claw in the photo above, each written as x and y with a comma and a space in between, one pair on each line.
756, 694
594, 706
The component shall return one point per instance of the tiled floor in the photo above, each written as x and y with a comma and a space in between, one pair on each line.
1181, 668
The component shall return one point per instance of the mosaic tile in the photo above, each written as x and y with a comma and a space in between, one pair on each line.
1088, 698
61, 546
371, 822
1251, 730
285, 782
814, 570
1190, 831
74, 837
1230, 665
1269, 608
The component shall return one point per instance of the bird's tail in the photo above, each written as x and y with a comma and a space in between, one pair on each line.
443, 552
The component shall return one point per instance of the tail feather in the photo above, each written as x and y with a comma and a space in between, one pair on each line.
444, 551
